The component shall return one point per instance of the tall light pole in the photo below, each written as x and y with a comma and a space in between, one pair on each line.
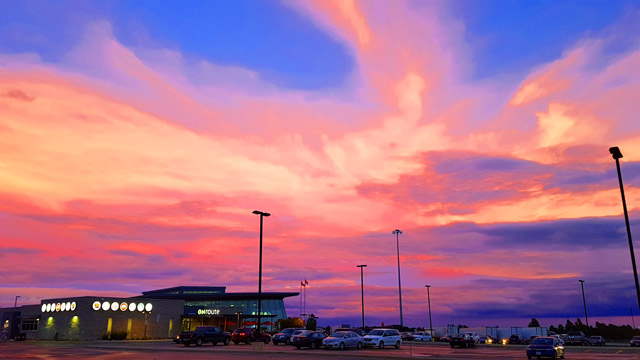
362, 289
429, 301
633, 321
262, 215
15, 303
398, 232
615, 152
585, 303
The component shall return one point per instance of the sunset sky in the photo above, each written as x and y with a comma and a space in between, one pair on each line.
136, 138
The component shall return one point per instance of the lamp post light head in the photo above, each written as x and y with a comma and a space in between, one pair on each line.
427, 286
261, 213
361, 266
615, 152
581, 281
396, 231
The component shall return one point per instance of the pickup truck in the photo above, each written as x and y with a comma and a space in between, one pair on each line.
205, 334
576, 338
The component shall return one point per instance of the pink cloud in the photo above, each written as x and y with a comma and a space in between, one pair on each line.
119, 156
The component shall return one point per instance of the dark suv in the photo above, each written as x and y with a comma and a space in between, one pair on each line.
284, 336
248, 335
517, 339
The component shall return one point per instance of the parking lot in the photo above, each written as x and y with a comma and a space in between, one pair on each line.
104, 350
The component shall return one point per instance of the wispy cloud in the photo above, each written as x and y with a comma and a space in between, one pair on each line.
504, 187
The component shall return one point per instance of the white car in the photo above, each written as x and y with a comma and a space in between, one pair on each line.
382, 338
474, 335
342, 340
421, 336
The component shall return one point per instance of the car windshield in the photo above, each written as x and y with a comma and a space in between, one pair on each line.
418, 333
542, 341
297, 332
339, 334
376, 332
459, 335
288, 331
595, 337
636, 338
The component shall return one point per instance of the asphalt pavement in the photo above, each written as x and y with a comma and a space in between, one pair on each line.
163, 349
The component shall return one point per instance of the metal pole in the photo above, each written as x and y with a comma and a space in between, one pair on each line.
617, 155
633, 321
398, 232
260, 280
262, 214
300, 298
362, 289
15, 303
585, 303
429, 301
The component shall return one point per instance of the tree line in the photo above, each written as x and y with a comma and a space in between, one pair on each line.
607, 331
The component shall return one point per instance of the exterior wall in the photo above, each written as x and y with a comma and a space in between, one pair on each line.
85, 323
30, 313
9, 321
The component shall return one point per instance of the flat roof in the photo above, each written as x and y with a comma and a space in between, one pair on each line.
210, 293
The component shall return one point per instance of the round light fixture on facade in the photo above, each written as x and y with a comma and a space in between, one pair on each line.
44, 307
115, 306
58, 307
63, 307
69, 306
96, 305
148, 307
106, 306
123, 306
132, 306
140, 307
73, 306
48, 307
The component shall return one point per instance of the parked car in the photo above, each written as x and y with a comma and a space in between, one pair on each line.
312, 340
205, 334
635, 341
531, 338
284, 336
342, 340
299, 333
358, 331
445, 338
474, 335
559, 337
462, 340
576, 338
545, 346
516, 339
597, 340
382, 338
248, 335
487, 339
421, 336
406, 336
